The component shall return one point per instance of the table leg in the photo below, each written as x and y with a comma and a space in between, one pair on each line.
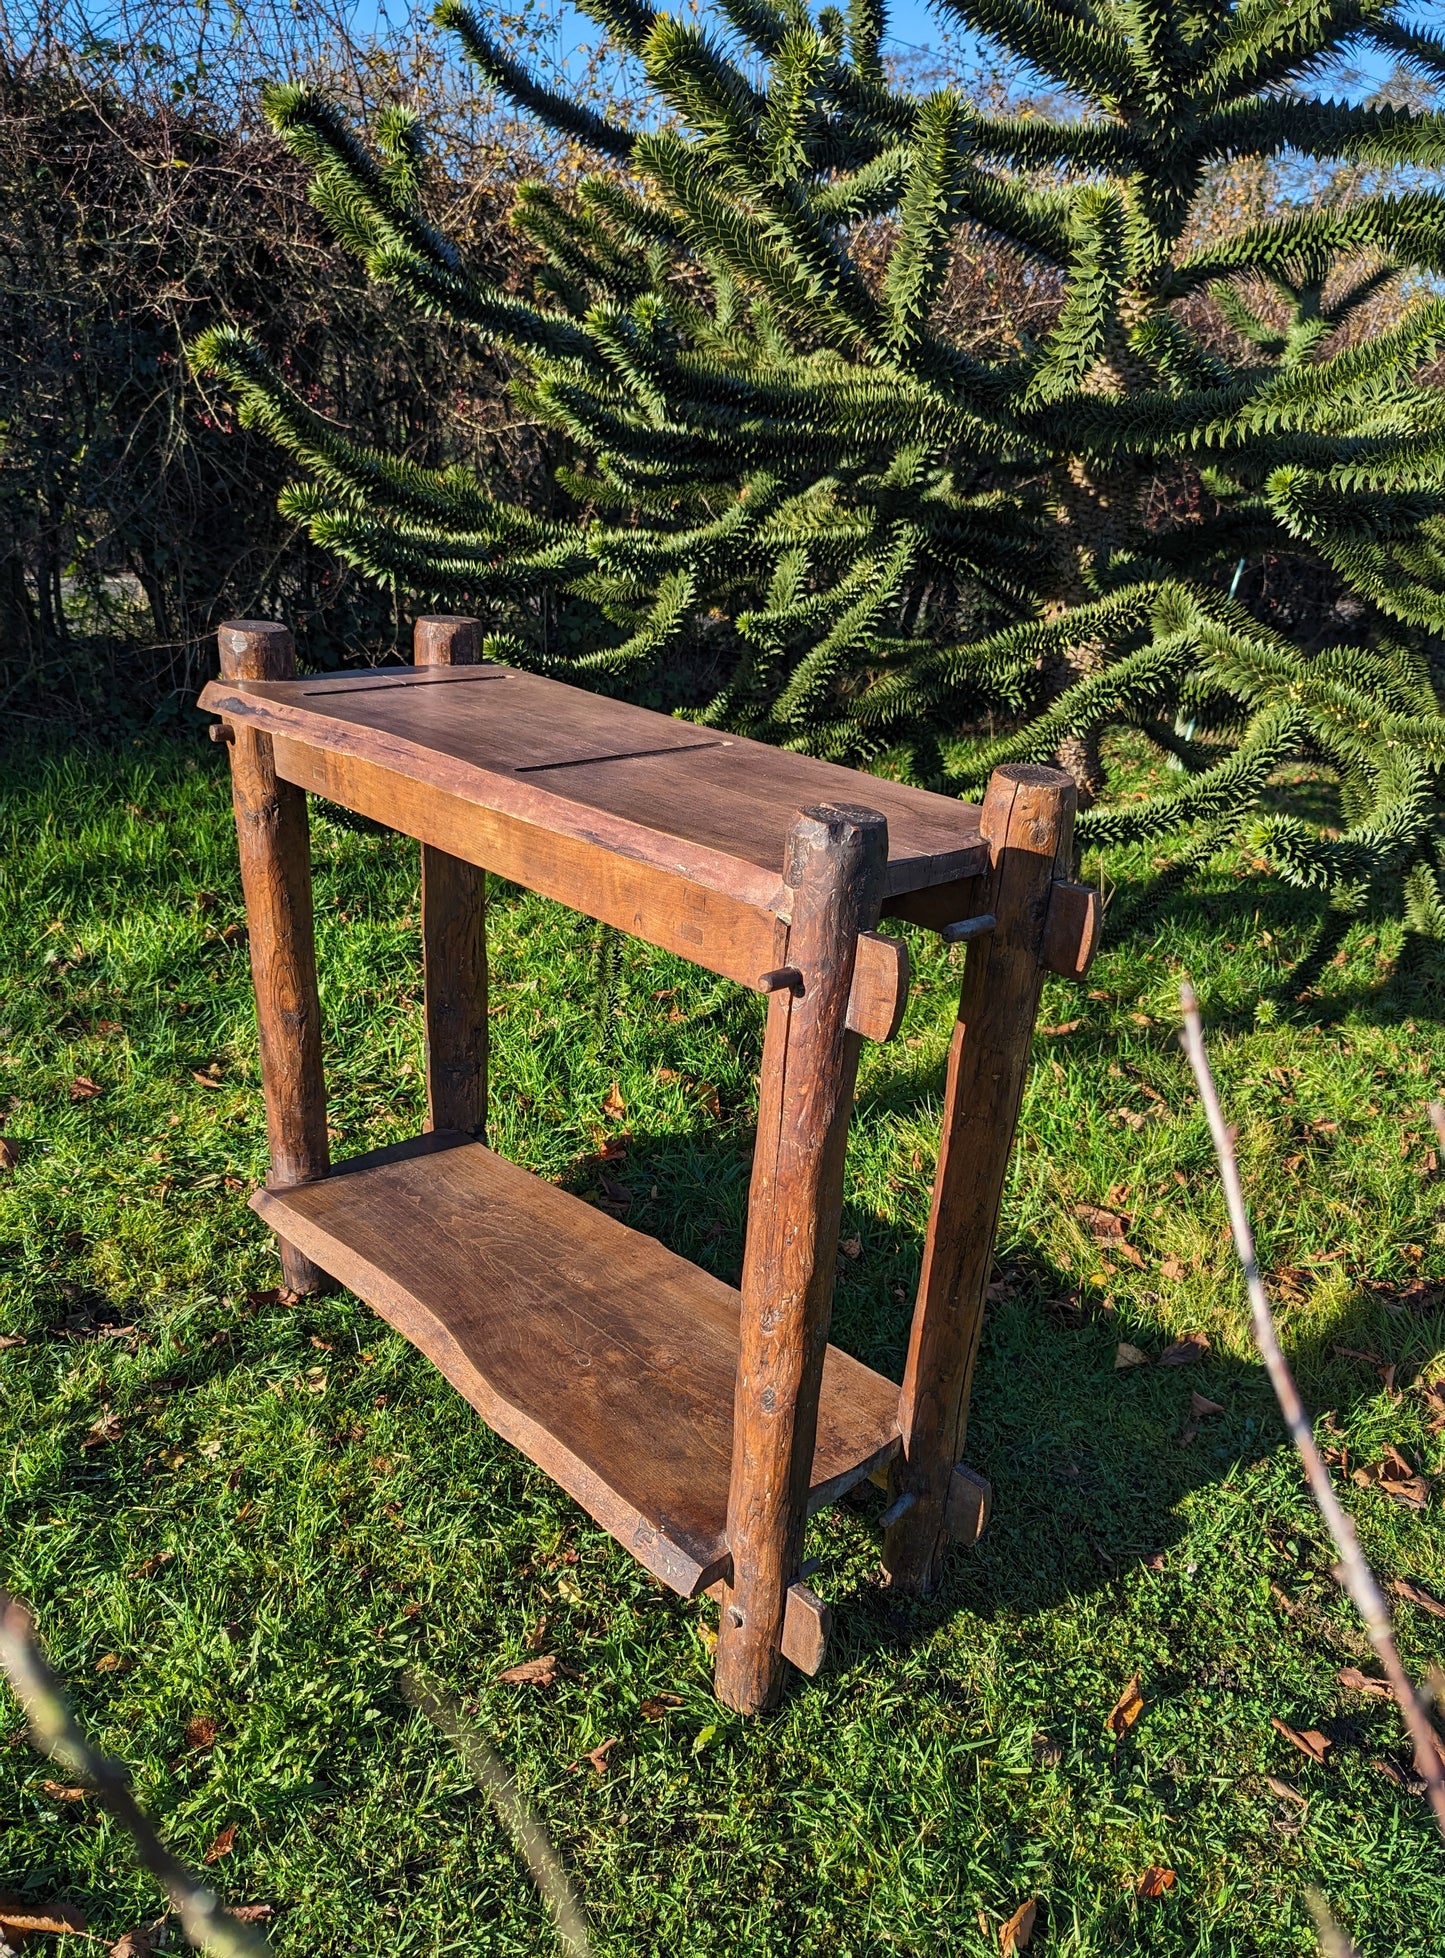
273, 840
1027, 822
835, 867
454, 937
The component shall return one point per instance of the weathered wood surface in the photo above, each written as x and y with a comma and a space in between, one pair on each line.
453, 936
835, 870
682, 799
1028, 816
1071, 930
606, 1358
880, 986
273, 841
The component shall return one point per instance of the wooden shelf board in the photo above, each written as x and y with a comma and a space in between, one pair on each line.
683, 799
603, 1356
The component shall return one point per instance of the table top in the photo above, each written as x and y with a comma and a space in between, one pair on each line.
711, 806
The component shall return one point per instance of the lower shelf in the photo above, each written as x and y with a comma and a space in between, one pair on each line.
606, 1358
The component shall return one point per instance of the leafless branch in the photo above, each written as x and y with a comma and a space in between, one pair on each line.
56, 1733
1352, 1570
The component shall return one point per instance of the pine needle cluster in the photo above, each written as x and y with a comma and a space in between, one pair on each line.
886, 540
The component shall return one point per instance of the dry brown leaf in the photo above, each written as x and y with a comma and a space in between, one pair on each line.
107, 1428
1126, 1355
1127, 1708
9, 1152
155, 1563
659, 1706
109, 1662
82, 1088
542, 1671
1403, 1588
1100, 1223
534, 1638
1155, 1881
7, 1340
613, 1106
207, 1079
1285, 1792
1047, 1751
1403, 1777
18, 1914
852, 1247
1359, 1682
251, 1913
1201, 1408
1310, 1741
1064, 1026
201, 1731
1015, 1934
599, 1754
1395, 1477
142, 1942
223, 1845
1171, 1268
1184, 1352
58, 1792
1128, 1252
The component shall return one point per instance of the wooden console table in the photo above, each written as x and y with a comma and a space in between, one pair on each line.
699, 1424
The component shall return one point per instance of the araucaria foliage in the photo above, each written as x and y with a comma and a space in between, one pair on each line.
793, 474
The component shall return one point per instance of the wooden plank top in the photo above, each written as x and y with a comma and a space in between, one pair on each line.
602, 1355
711, 807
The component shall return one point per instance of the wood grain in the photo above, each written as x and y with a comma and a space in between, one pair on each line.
835, 871
1028, 816
880, 986
606, 1358
1071, 930
454, 936
273, 841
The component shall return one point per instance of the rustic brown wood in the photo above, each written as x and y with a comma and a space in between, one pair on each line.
1027, 822
880, 986
606, 1358
807, 1621
1071, 930
274, 846
684, 799
834, 869
453, 936
966, 1512
937, 905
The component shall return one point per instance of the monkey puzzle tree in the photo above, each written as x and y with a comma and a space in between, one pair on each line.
883, 537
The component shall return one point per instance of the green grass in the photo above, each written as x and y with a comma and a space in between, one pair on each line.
296, 1508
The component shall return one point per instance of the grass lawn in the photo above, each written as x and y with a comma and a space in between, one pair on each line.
225, 1509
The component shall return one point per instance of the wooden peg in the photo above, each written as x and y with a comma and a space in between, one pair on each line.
1071, 929
880, 986
454, 937
783, 978
963, 929
274, 844
807, 1622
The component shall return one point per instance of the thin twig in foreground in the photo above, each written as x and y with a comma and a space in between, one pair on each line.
56, 1733
1352, 1571
512, 1810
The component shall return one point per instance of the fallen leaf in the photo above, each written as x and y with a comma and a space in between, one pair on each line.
321, 1345
1184, 1352
109, 1662
1015, 1934
1359, 1682
1128, 1252
613, 1105
1126, 1355
251, 1913
659, 1706
1310, 1742
1127, 1708
1395, 1477
1047, 1751
142, 1942
1285, 1792
58, 1792
82, 1088
1141, 1019
1403, 1777
207, 1079
201, 1731
537, 1672
1155, 1881
1201, 1408
1100, 1223
599, 1754
223, 1845
17, 1914
9, 1152
1403, 1588
1171, 1268
107, 1428
153, 1564
7, 1340
1064, 1026
534, 1638
852, 1247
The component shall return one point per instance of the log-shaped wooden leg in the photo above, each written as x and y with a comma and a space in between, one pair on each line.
1028, 817
273, 839
835, 868
454, 937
